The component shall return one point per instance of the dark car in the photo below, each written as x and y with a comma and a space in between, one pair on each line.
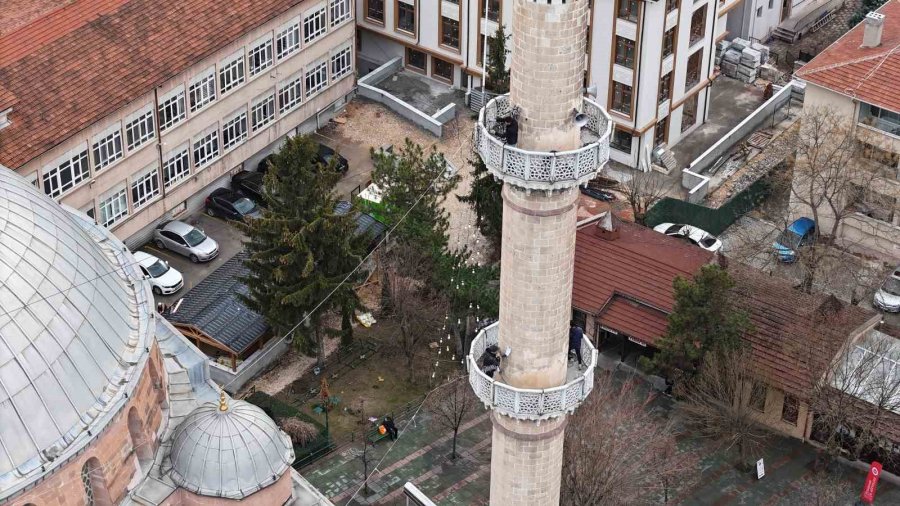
325, 155
249, 184
231, 205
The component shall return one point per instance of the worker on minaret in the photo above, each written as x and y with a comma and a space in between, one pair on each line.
562, 141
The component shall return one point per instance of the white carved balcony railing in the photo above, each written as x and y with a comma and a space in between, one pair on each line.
528, 403
543, 170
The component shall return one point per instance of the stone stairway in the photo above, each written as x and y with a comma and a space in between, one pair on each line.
785, 34
667, 161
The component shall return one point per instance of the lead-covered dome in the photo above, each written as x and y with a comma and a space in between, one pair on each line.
231, 449
73, 322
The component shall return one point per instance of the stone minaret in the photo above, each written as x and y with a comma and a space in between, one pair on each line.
541, 174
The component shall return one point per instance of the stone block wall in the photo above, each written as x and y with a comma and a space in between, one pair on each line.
526, 461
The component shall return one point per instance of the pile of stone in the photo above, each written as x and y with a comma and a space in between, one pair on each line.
741, 59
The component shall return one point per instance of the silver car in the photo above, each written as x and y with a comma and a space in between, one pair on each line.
185, 240
887, 297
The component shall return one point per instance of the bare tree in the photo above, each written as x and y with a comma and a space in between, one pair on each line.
717, 403
642, 191
451, 404
415, 306
365, 458
621, 449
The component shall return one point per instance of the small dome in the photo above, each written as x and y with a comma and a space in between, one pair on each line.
231, 449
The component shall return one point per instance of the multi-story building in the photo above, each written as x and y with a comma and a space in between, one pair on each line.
856, 78
133, 111
651, 62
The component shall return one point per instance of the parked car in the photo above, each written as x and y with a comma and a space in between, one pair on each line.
231, 205
324, 156
800, 233
597, 193
163, 279
692, 234
249, 184
185, 240
888, 295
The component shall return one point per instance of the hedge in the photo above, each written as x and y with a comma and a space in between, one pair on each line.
714, 221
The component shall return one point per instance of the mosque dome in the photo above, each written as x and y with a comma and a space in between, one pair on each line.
74, 321
231, 449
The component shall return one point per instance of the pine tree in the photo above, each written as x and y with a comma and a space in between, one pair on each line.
485, 199
497, 73
300, 250
704, 319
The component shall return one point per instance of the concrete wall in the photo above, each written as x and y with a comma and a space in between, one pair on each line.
696, 184
368, 87
746, 127
248, 369
120, 174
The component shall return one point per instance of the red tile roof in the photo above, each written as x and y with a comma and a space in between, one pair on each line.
17, 13
869, 74
75, 65
627, 281
796, 334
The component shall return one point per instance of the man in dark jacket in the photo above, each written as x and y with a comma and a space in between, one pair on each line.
575, 337
490, 360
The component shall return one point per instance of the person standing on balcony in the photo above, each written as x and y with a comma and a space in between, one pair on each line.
490, 360
576, 335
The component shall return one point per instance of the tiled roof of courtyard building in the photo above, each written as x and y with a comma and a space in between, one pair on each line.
869, 74
795, 334
626, 278
68, 68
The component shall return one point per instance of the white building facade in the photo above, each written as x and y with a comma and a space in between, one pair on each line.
651, 61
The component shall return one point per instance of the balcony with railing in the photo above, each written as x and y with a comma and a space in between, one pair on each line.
541, 170
529, 403
880, 119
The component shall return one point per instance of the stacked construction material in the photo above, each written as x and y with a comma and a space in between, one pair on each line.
749, 65
741, 59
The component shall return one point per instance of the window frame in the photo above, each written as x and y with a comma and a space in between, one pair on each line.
203, 87
406, 61
368, 9
292, 88
262, 112
140, 122
435, 75
177, 98
207, 141
698, 32
627, 10
339, 11
263, 50
786, 410
232, 72
345, 53
118, 195
665, 87
147, 179
76, 158
175, 159
623, 47
621, 147
315, 24
669, 42
442, 32
240, 135
692, 79
287, 39
311, 71
107, 147
415, 17
625, 90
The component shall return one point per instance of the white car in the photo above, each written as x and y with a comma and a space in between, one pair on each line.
690, 233
164, 279
888, 295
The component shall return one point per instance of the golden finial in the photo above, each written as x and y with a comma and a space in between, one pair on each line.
223, 402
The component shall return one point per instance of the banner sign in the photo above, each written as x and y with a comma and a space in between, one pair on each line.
760, 469
868, 492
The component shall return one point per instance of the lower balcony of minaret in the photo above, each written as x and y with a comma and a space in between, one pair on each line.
528, 403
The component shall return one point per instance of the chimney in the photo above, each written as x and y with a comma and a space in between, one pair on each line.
608, 228
874, 26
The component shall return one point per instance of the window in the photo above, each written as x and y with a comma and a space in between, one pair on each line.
668, 42
628, 9
171, 108
262, 112
417, 60
231, 72
176, 166
689, 113
758, 397
144, 187
621, 140
89, 211
493, 10
316, 79
341, 63
340, 11
692, 77
771, 4
290, 94
202, 90
314, 25
107, 148
790, 410
139, 129
490, 42
698, 25
665, 88
406, 16
375, 10
441, 69
671, 5
113, 208
94, 484
71, 170
662, 128
234, 130
624, 52
759, 12
206, 148
622, 98
287, 40
449, 32
260, 56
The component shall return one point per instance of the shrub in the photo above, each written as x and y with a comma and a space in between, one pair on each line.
301, 433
